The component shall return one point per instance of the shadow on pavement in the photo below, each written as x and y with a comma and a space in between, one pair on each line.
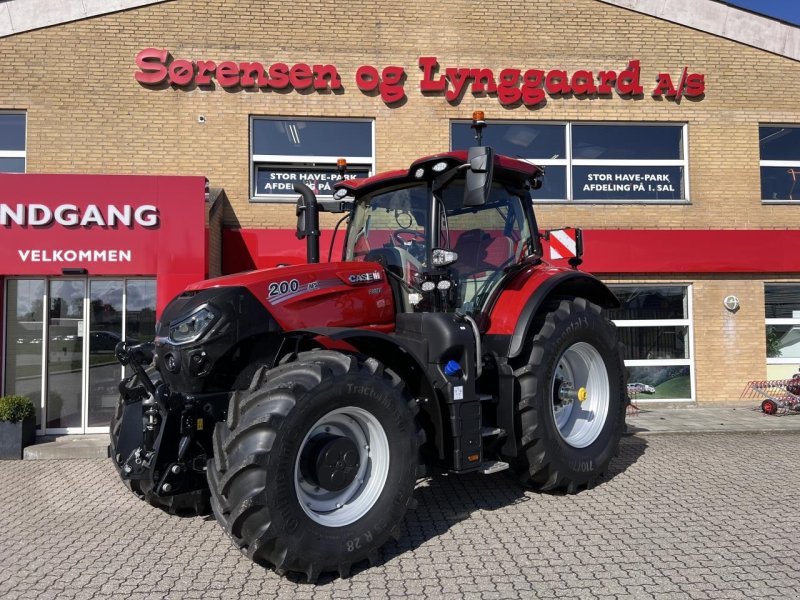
446, 499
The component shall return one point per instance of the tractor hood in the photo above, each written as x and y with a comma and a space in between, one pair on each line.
341, 294
212, 336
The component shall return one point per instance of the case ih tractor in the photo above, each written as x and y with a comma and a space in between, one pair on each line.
304, 402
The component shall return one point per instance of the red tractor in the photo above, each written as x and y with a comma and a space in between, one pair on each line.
304, 402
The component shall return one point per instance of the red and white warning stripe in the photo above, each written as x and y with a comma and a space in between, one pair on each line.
563, 244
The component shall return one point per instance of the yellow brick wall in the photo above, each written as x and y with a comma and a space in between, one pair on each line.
86, 113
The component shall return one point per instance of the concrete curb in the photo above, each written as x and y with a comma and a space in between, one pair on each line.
93, 447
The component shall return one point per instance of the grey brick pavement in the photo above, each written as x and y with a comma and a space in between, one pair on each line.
682, 516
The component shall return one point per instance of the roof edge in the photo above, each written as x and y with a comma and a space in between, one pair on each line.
723, 20
17, 16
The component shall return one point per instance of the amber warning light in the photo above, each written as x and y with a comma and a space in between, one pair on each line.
341, 166
478, 123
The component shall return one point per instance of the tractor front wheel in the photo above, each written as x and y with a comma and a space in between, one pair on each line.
316, 465
572, 399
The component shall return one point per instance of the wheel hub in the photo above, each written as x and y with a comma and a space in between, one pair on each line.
581, 395
342, 466
330, 461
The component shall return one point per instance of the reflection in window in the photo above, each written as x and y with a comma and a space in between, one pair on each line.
289, 151
12, 142
602, 162
782, 312
649, 302
140, 310
24, 330
780, 162
667, 382
627, 142
523, 139
654, 324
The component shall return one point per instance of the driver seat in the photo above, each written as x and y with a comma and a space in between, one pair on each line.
479, 255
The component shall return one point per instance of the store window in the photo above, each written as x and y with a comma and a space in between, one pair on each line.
655, 325
780, 163
12, 142
594, 162
782, 312
288, 151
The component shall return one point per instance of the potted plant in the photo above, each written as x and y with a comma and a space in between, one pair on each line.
17, 426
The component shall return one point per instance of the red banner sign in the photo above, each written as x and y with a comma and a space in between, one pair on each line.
120, 225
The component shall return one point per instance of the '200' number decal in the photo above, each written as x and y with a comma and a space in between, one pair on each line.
283, 287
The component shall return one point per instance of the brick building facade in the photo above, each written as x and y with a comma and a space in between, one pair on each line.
71, 76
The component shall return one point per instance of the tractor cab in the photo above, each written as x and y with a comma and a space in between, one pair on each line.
448, 230
440, 254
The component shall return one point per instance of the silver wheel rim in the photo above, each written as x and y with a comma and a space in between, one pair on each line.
346, 506
580, 367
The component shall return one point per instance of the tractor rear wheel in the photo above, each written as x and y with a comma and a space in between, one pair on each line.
316, 464
572, 399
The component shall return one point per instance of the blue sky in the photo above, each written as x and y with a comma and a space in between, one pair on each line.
786, 10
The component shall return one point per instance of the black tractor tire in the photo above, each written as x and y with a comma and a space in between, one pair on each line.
185, 505
257, 486
574, 337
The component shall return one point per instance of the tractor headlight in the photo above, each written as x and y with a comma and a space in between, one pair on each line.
444, 285
192, 327
442, 257
428, 286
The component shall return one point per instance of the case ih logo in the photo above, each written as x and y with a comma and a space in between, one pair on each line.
511, 86
365, 277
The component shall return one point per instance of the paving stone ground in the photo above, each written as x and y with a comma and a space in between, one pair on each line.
681, 516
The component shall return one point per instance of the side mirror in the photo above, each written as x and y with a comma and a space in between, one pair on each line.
478, 182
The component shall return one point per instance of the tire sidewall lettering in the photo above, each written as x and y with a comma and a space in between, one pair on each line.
364, 534
569, 329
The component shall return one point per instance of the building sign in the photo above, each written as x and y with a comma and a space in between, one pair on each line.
103, 224
71, 215
627, 183
510, 86
280, 180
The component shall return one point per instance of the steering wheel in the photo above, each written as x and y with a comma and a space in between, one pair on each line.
411, 242
404, 237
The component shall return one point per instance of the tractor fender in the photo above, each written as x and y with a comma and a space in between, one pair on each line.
393, 353
552, 283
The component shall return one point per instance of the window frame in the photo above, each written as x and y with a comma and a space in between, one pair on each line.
664, 362
300, 161
777, 360
23, 154
776, 163
568, 161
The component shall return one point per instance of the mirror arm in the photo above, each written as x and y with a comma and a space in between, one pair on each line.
442, 180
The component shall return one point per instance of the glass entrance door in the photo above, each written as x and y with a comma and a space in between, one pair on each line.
60, 335
105, 332
65, 331
24, 345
